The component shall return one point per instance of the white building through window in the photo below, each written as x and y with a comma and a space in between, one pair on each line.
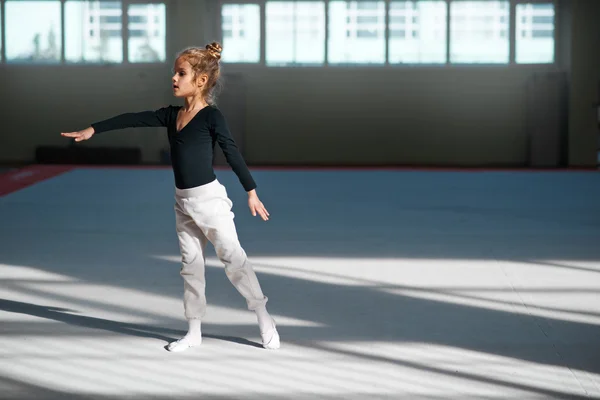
295, 32
147, 32
33, 31
356, 32
241, 33
93, 31
534, 33
479, 31
417, 32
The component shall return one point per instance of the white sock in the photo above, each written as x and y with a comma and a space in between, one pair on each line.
268, 332
191, 339
194, 331
265, 323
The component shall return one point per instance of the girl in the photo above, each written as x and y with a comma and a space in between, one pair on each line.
202, 207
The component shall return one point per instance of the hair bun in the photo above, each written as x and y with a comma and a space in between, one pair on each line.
215, 50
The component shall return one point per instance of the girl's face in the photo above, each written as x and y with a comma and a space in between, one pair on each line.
185, 84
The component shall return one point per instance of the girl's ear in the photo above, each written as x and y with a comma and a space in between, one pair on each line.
202, 79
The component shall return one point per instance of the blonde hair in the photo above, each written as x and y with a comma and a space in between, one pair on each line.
205, 61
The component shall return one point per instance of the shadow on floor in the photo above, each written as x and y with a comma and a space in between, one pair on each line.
123, 328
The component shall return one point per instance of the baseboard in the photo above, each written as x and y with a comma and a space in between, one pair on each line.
88, 155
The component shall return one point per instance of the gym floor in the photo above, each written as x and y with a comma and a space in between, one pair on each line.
385, 284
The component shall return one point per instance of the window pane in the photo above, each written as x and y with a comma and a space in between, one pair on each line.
93, 31
295, 32
146, 32
417, 32
354, 38
241, 32
33, 31
535, 33
479, 31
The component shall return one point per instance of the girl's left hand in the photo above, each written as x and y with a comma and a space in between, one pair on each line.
257, 207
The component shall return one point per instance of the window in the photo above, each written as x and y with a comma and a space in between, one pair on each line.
1, 32
295, 32
535, 33
110, 4
241, 33
417, 32
33, 31
356, 32
147, 32
93, 31
479, 31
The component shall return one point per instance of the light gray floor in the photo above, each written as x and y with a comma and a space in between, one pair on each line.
384, 284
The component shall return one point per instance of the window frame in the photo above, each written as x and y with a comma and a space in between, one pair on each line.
555, 33
377, 64
125, 22
22, 64
262, 41
2, 33
214, 31
299, 64
386, 64
418, 64
511, 28
63, 63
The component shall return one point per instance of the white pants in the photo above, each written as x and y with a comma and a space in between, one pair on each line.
204, 214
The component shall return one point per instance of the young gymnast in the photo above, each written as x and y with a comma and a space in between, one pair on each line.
202, 207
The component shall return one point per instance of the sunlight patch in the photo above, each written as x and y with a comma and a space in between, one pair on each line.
553, 289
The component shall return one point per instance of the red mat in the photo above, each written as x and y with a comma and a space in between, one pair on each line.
27, 176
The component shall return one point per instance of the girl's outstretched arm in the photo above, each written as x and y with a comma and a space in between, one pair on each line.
160, 117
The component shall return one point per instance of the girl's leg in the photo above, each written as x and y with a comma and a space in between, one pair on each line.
220, 230
192, 243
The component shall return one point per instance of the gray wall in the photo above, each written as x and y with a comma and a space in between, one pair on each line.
420, 116
584, 77
409, 116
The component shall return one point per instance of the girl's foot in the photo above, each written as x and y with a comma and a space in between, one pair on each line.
191, 339
268, 330
186, 342
270, 337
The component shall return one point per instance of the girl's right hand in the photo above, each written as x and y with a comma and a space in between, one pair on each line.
81, 135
